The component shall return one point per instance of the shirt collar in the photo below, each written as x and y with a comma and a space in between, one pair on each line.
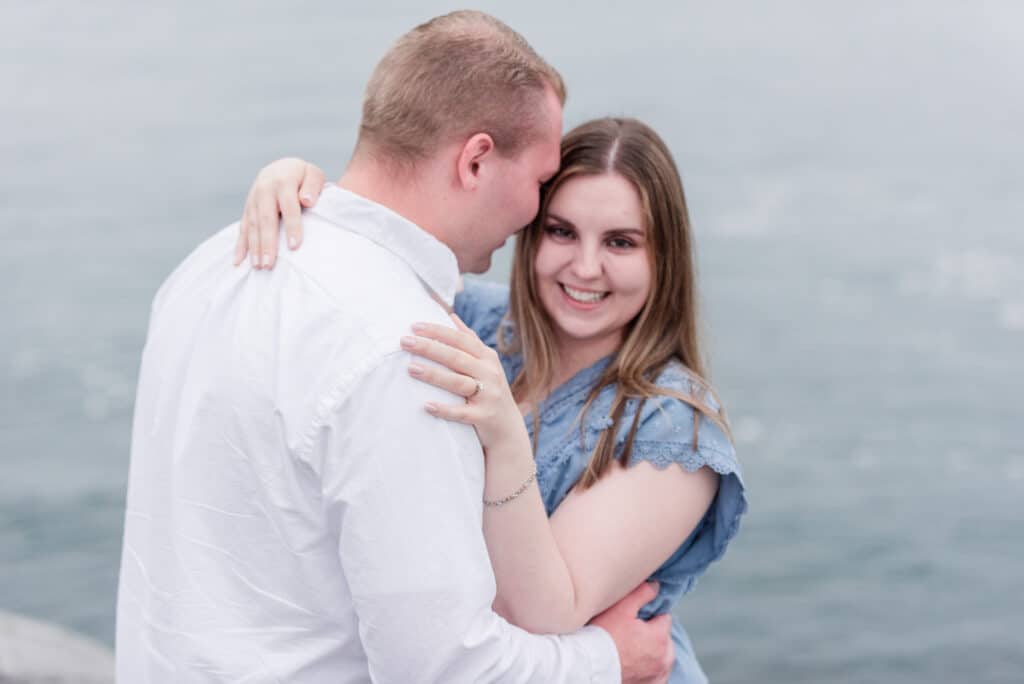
432, 261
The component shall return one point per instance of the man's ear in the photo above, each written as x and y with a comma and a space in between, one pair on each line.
475, 153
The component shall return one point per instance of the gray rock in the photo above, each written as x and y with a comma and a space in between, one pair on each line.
33, 652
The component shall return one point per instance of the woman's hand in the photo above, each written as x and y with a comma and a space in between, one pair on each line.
472, 370
280, 191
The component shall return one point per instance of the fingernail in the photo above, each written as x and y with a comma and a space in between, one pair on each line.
419, 327
293, 242
255, 261
266, 260
408, 341
416, 369
306, 197
431, 408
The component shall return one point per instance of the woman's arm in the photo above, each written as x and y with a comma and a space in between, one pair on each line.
555, 575
278, 194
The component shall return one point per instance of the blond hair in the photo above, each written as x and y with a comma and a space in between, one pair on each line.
456, 75
665, 329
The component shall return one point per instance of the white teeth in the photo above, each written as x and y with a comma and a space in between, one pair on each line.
584, 297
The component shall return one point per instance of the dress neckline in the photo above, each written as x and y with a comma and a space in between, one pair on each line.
582, 380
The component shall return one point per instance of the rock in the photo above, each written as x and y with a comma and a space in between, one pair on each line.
33, 652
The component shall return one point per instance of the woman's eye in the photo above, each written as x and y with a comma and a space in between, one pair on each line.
558, 231
621, 243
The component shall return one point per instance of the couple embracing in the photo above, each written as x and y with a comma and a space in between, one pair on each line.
346, 469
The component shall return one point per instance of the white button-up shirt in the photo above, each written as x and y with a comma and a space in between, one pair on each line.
294, 515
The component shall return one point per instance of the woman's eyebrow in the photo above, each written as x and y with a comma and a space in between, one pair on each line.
621, 231
556, 217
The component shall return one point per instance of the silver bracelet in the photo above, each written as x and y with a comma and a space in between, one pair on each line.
513, 495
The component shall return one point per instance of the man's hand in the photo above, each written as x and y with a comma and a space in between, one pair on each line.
645, 648
279, 192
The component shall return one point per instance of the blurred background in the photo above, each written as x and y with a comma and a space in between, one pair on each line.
854, 176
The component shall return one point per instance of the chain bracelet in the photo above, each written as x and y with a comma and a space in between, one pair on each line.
514, 495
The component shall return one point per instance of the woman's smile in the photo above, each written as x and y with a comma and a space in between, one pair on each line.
582, 297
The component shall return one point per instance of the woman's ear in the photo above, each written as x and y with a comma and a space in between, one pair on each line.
474, 154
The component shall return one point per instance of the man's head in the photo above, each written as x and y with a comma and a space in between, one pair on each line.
464, 106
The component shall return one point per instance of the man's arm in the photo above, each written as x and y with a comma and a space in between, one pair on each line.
404, 490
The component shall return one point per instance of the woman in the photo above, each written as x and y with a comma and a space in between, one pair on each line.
595, 344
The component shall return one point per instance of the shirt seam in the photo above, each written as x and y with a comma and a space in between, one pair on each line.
330, 400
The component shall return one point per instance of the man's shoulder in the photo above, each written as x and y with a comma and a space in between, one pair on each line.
207, 260
338, 291
363, 278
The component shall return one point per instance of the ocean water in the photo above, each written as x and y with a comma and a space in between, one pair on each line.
853, 176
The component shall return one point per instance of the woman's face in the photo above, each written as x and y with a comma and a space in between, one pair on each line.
592, 266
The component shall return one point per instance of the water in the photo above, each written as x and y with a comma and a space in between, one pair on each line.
853, 173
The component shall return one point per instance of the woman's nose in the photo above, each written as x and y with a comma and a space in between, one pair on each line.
586, 263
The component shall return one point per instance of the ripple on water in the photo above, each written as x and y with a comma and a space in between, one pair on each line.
973, 275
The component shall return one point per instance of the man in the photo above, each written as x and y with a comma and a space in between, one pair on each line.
293, 513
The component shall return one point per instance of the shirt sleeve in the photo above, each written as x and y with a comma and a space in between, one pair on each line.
668, 440
403, 492
665, 436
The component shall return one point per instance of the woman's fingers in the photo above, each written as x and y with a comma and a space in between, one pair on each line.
269, 213
445, 354
252, 233
275, 196
465, 340
456, 383
489, 407
309, 191
460, 413
249, 229
312, 185
291, 216
241, 245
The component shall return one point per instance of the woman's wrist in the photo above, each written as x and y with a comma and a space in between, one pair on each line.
509, 446
503, 430
507, 466
509, 498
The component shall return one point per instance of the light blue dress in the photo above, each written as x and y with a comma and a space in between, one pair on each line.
664, 437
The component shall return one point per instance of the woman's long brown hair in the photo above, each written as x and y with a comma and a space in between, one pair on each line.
665, 329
